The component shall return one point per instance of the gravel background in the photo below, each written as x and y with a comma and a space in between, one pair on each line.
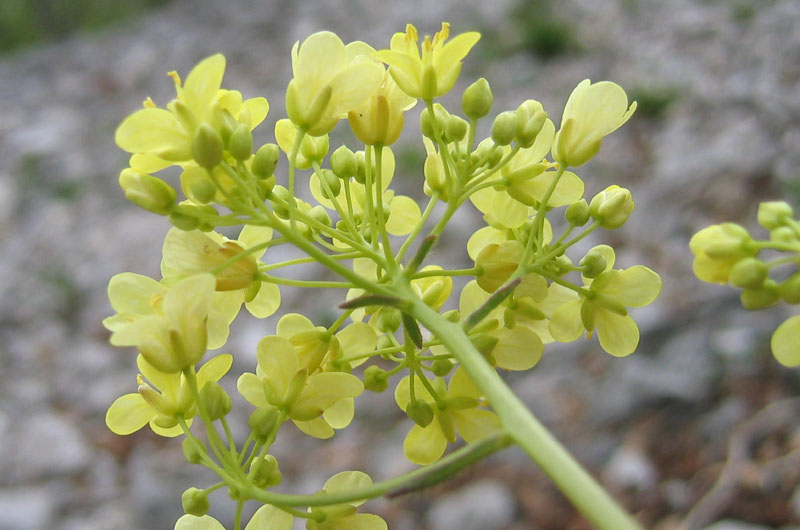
721, 133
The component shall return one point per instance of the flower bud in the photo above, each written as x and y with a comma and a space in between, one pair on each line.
197, 185
456, 128
577, 213
216, 401
147, 192
593, 264
749, 273
420, 413
454, 315
240, 144
509, 318
191, 452
485, 344
195, 502
442, 367
773, 214
280, 198
263, 421
207, 146
264, 472
343, 163
524, 307
426, 123
612, 207
389, 320
384, 341
314, 148
329, 181
320, 215
765, 296
504, 128
782, 234
434, 173
183, 219
265, 161
477, 99
790, 289
375, 379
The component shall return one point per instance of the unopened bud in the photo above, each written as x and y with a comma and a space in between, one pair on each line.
790, 289
191, 450
442, 367
420, 413
485, 344
264, 472
375, 379
748, 273
320, 215
577, 213
782, 234
612, 207
216, 401
773, 214
343, 162
266, 160
207, 146
195, 502
593, 264
477, 99
455, 129
765, 296
504, 128
389, 320
314, 148
454, 315
241, 143
147, 192
434, 173
330, 185
263, 421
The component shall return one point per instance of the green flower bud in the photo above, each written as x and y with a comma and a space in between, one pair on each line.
611, 207
264, 472
389, 320
577, 213
384, 341
442, 367
420, 413
749, 273
790, 289
782, 234
509, 318
477, 99
216, 401
593, 264
329, 181
265, 186
320, 214
147, 192
198, 184
207, 146
280, 193
765, 296
314, 148
504, 128
195, 502
182, 219
343, 162
240, 144
191, 452
375, 379
524, 307
485, 344
434, 173
361, 167
263, 421
433, 293
265, 161
456, 128
773, 214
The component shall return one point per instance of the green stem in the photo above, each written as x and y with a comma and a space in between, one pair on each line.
448, 272
579, 487
237, 519
304, 283
387, 246
420, 225
292, 163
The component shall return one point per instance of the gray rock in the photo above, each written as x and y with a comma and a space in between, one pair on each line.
31, 508
484, 505
629, 467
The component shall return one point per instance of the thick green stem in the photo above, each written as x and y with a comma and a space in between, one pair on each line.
573, 481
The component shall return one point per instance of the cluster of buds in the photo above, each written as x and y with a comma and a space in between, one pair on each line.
727, 254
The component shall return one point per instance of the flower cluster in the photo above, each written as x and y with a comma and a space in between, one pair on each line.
398, 323
727, 254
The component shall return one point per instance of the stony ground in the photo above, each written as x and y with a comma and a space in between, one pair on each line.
700, 426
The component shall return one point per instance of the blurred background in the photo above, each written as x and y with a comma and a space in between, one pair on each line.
699, 427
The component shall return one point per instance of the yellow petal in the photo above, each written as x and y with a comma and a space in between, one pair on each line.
785, 342
318, 428
636, 286
292, 324
340, 414
404, 216
266, 302
277, 358
202, 84
133, 293
269, 517
475, 424
251, 388
618, 334
518, 349
206, 522
258, 109
128, 414
566, 324
425, 445
155, 131
214, 369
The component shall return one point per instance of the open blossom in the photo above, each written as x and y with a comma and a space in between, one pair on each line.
330, 79
433, 72
593, 111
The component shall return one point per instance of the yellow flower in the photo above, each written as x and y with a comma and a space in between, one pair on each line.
593, 111
344, 516
173, 335
717, 249
330, 79
379, 120
455, 410
604, 307
159, 408
267, 517
433, 72
168, 134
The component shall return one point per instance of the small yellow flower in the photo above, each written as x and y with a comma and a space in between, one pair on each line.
159, 408
432, 73
593, 111
379, 120
717, 249
330, 79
